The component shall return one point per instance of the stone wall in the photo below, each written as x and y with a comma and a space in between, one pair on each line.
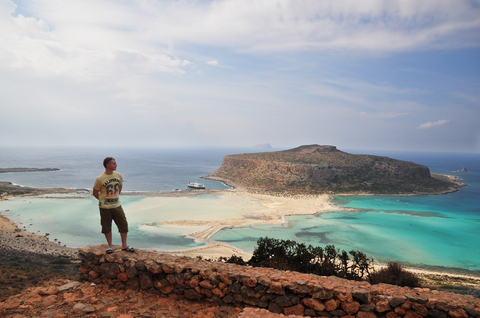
289, 293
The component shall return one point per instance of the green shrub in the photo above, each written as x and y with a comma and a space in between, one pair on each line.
234, 259
293, 256
329, 261
394, 274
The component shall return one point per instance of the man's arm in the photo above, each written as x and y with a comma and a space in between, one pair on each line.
96, 194
120, 188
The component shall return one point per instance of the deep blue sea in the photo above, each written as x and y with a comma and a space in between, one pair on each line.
434, 231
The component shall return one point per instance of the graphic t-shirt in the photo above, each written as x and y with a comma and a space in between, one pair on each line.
108, 187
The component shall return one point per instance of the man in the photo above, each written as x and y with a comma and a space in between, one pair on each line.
107, 189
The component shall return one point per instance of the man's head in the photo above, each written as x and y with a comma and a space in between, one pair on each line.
108, 160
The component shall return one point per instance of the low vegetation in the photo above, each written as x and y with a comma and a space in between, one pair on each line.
328, 261
394, 274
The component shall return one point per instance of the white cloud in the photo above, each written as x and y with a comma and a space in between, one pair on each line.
276, 25
268, 25
77, 41
432, 124
383, 115
150, 65
80, 39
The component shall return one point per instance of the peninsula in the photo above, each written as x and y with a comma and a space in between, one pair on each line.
315, 169
3, 170
8, 189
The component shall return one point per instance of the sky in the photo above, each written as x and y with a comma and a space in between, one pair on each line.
370, 74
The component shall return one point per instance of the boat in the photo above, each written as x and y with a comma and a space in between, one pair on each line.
196, 185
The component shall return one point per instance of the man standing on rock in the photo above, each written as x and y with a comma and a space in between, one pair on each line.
107, 190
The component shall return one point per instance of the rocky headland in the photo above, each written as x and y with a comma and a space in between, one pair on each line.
325, 169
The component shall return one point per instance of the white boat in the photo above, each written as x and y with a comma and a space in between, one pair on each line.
196, 185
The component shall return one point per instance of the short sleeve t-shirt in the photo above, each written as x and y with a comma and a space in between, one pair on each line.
108, 187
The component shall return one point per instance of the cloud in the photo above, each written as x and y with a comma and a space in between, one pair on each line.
431, 124
269, 25
291, 70
383, 115
65, 42
276, 25
76, 39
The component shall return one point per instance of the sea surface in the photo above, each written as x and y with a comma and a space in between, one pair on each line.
433, 231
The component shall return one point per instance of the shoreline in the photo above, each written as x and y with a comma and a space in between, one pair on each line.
14, 238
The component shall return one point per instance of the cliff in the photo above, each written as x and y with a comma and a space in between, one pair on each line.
325, 169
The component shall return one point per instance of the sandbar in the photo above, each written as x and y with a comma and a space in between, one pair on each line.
266, 209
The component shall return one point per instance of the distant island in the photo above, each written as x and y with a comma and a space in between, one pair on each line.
325, 169
263, 146
2, 170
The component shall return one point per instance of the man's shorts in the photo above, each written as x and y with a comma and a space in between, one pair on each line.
115, 214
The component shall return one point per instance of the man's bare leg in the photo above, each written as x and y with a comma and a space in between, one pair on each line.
124, 240
108, 236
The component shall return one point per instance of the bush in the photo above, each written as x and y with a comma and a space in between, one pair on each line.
293, 256
329, 261
234, 259
394, 274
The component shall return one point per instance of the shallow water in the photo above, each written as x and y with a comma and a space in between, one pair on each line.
75, 222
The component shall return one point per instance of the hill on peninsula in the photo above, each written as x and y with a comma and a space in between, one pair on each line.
325, 169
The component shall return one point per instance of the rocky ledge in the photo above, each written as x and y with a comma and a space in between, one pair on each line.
147, 284
288, 293
325, 169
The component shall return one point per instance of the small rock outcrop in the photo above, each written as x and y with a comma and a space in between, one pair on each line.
263, 146
464, 169
325, 169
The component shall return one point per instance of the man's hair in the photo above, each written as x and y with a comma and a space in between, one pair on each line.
106, 161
